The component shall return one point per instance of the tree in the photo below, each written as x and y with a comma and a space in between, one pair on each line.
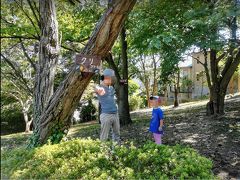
220, 16
57, 113
48, 58
198, 23
187, 85
17, 81
122, 75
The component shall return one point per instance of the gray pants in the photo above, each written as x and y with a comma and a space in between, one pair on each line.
110, 121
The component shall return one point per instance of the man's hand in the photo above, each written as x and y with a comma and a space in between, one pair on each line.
100, 91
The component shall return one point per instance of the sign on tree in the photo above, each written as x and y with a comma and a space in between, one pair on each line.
88, 63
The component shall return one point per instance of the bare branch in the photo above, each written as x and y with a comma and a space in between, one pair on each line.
27, 56
196, 59
110, 61
17, 71
34, 13
17, 37
69, 49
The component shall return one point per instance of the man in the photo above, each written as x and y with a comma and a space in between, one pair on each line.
109, 114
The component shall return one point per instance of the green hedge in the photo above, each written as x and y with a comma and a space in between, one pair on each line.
90, 159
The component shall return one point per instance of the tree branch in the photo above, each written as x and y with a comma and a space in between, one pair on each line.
17, 71
228, 71
110, 61
18, 36
27, 56
13, 77
196, 59
220, 57
30, 19
34, 13
69, 49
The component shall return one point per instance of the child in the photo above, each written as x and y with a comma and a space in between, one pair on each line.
156, 124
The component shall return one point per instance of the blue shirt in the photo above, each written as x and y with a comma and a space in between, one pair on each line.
157, 116
107, 101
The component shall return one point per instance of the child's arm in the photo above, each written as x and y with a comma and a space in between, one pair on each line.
161, 125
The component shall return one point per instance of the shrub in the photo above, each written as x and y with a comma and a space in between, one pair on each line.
90, 159
12, 120
135, 102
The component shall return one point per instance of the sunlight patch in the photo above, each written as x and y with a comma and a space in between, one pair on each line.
191, 139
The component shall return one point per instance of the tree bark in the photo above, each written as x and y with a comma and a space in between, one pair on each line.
28, 126
123, 104
155, 87
176, 90
48, 57
58, 112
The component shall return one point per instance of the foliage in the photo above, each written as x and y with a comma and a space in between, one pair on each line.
88, 112
89, 159
12, 119
133, 87
135, 102
186, 84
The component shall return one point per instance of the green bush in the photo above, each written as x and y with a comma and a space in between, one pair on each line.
12, 120
90, 159
135, 102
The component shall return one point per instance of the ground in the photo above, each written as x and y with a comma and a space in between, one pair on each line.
214, 137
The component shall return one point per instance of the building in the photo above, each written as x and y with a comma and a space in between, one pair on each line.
192, 70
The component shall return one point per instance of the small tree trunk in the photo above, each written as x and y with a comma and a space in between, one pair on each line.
28, 126
155, 88
202, 87
27, 122
176, 90
165, 97
123, 106
147, 91
176, 103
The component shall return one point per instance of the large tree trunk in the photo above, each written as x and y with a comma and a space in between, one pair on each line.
220, 83
48, 57
215, 83
123, 104
57, 114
